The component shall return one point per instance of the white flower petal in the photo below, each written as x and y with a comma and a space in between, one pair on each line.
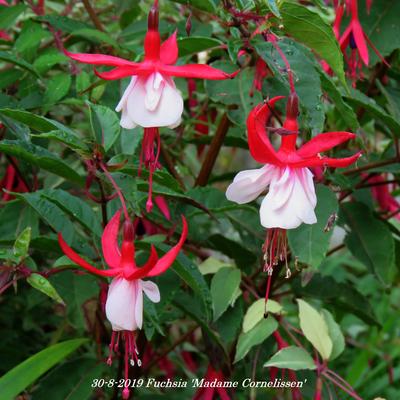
121, 304
154, 87
151, 290
122, 103
248, 185
139, 305
290, 201
155, 103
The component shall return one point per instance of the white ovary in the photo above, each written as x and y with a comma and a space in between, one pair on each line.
152, 101
124, 306
291, 198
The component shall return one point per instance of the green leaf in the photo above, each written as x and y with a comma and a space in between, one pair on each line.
359, 99
191, 275
24, 374
344, 296
96, 36
315, 329
274, 8
224, 287
49, 212
369, 240
195, 44
21, 245
37, 155
292, 357
75, 207
205, 5
71, 380
335, 333
31, 35
40, 283
255, 313
8, 15
69, 139
308, 82
105, 125
212, 265
44, 62
36, 122
63, 23
10, 58
381, 26
57, 88
309, 28
255, 336
310, 242
236, 91
345, 111
76, 291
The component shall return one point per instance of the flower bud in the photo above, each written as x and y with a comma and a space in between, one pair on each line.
152, 21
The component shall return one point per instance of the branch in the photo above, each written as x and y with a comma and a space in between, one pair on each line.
93, 15
213, 151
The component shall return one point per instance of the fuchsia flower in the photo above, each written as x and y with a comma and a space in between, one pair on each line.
151, 99
355, 38
382, 194
291, 198
124, 305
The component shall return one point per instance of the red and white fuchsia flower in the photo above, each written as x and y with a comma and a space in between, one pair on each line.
151, 99
124, 305
291, 198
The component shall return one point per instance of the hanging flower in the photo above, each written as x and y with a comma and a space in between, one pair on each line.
381, 192
355, 38
291, 198
124, 305
151, 98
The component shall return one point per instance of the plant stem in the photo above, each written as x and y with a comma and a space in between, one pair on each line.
93, 15
213, 151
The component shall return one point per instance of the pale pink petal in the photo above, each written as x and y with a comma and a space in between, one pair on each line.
290, 201
168, 109
121, 304
151, 290
248, 185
